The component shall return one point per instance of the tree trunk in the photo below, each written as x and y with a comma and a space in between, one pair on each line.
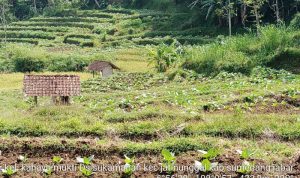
257, 19
34, 7
97, 3
229, 18
243, 14
277, 12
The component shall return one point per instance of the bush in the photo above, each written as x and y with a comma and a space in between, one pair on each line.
295, 23
67, 63
27, 34
119, 11
55, 24
28, 64
20, 40
67, 19
45, 29
166, 56
79, 41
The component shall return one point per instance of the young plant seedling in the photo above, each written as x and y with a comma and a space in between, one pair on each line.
57, 159
48, 171
22, 158
245, 154
86, 172
246, 168
9, 171
205, 165
210, 154
168, 161
85, 160
129, 166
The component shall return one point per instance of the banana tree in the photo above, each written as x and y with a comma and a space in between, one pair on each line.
218, 7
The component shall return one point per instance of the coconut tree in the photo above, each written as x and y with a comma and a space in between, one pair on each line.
218, 7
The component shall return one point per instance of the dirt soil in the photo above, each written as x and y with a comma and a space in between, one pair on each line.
149, 165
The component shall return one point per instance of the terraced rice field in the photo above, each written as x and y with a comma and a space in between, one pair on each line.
91, 28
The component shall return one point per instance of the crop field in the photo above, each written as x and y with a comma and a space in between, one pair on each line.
139, 114
100, 28
187, 101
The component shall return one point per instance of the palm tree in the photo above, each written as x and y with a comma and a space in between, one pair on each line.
218, 7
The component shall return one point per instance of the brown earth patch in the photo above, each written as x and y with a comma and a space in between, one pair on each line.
185, 163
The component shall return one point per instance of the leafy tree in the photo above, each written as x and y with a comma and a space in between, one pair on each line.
256, 5
4, 9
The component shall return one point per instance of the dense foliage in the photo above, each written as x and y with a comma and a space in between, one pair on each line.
239, 12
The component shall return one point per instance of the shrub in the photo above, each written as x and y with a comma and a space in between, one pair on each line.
28, 64
67, 19
27, 34
119, 11
56, 24
45, 29
80, 41
20, 40
165, 56
295, 23
67, 63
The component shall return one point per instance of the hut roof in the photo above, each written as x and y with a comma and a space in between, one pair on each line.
100, 65
51, 85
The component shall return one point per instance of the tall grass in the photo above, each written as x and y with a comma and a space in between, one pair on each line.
240, 53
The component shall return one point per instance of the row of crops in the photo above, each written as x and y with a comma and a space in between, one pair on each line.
89, 28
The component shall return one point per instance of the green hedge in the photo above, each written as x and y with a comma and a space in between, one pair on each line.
67, 19
20, 40
55, 24
95, 14
84, 36
119, 11
27, 34
79, 42
193, 40
45, 29
153, 41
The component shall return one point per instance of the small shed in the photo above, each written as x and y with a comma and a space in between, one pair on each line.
105, 68
62, 86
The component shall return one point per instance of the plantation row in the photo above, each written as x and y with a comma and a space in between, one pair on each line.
229, 126
206, 164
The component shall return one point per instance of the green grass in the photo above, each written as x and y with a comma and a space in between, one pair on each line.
27, 34
138, 111
55, 24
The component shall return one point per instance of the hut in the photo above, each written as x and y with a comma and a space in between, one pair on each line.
103, 67
62, 86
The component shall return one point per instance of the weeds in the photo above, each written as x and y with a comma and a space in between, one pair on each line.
246, 168
129, 166
85, 160
57, 159
9, 171
169, 161
48, 171
245, 154
85, 171
210, 154
205, 166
